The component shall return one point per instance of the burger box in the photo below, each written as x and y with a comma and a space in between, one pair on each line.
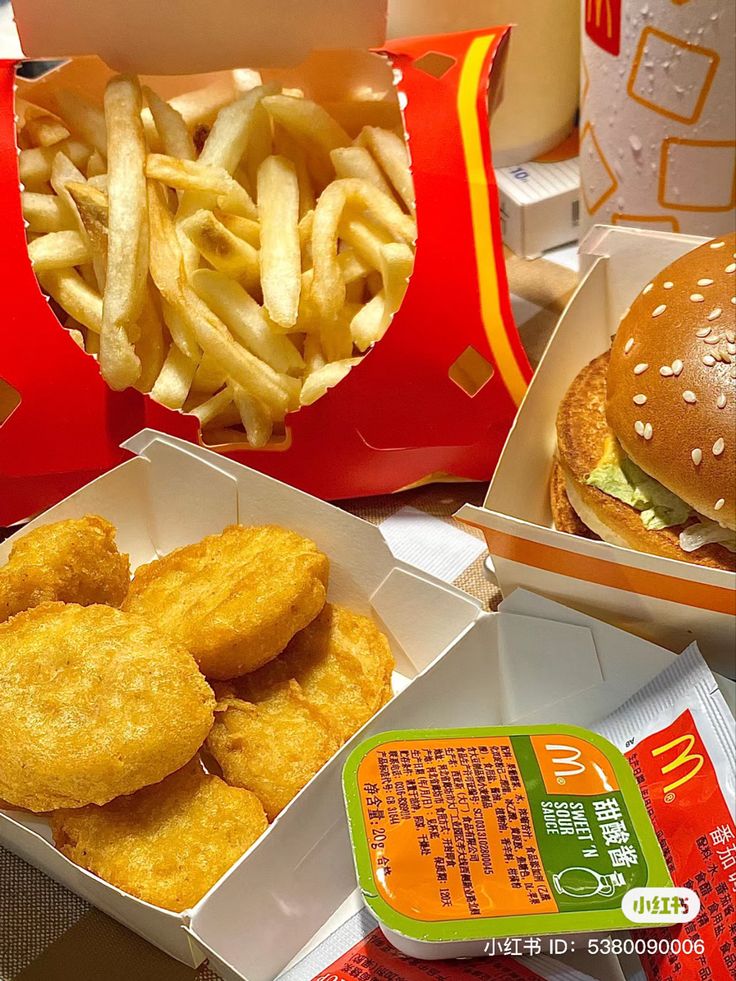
456, 665
438, 393
664, 600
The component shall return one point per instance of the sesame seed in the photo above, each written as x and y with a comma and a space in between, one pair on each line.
641, 368
721, 403
719, 504
715, 314
709, 360
639, 427
731, 336
705, 282
647, 289
665, 371
719, 446
717, 245
703, 332
668, 285
697, 456
648, 431
640, 400
731, 348
690, 397
628, 346
731, 267
677, 367
712, 340
658, 311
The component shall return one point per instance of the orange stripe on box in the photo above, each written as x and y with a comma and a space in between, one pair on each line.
654, 584
493, 322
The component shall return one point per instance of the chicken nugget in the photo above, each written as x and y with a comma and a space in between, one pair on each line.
343, 664
273, 747
72, 561
167, 844
95, 704
236, 599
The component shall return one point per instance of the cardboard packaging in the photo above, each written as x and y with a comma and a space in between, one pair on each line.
664, 600
456, 666
438, 393
657, 137
540, 205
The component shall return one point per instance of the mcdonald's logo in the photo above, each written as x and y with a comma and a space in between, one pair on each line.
685, 758
603, 24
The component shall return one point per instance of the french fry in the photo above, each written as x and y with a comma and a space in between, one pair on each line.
34, 165
182, 332
392, 155
396, 268
356, 161
280, 255
308, 121
245, 228
337, 340
286, 145
255, 416
91, 205
279, 392
246, 320
150, 348
96, 165
64, 173
175, 378
260, 142
127, 255
44, 212
365, 238
225, 251
209, 377
231, 130
86, 120
71, 292
213, 407
370, 322
193, 175
314, 357
322, 379
42, 127
200, 106
170, 125
58, 250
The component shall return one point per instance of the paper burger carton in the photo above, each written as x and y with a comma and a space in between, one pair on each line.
456, 665
662, 599
435, 396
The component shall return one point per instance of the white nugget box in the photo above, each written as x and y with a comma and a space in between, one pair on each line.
669, 602
456, 664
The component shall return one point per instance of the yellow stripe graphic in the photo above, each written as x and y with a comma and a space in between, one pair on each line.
503, 353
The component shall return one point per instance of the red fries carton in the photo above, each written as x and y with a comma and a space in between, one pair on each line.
435, 396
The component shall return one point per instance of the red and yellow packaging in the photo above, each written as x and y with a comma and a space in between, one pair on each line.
436, 396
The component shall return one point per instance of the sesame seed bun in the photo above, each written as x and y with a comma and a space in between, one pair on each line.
671, 387
582, 431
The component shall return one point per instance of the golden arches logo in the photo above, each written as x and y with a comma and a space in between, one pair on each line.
597, 7
684, 757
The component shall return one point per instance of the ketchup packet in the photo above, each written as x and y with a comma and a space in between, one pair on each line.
358, 951
678, 735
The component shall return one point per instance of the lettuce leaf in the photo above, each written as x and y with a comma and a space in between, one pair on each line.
619, 477
706, 532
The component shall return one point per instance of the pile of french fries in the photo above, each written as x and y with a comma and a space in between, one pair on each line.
233, 260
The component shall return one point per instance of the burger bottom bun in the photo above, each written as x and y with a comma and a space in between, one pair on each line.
582, 430
564, 514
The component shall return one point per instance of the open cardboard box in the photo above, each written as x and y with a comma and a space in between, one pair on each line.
436, 396
457, 665
664, 600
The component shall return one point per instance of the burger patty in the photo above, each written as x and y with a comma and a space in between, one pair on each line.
582, 430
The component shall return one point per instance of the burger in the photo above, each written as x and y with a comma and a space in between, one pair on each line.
646, 434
